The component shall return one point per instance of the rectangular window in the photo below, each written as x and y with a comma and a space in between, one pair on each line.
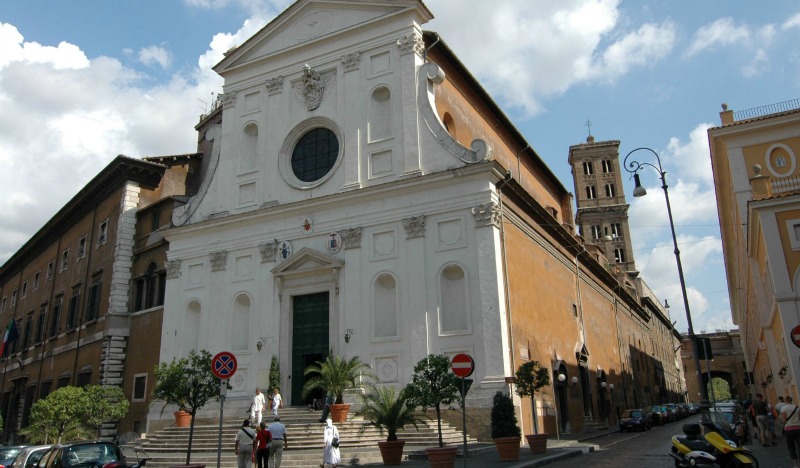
13, 298
55, 317
40, 325
72, 310
607, 166
82, 247
26, 334
619, 255
588, 169
64, 259
591, 192
155, 220
102, 233
93, 307
16, 345
596, 231
3, 306
84, 379
610, 191
44, 389
36, 281
616, 230
24, 289
63, 381
50, 270
139, 387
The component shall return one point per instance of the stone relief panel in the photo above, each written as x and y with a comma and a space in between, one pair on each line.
380, 164
196, 273
268, 251
247, 193
313, 87
388, 368
351, 238
351, 61
380, 63
414, 226
451, 234
219, 260
243, 267
274, 85
173, 268
384, 245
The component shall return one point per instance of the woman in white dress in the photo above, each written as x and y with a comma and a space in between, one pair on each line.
331, 455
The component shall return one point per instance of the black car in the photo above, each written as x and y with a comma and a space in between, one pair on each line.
634, 419
87, 454
8, 454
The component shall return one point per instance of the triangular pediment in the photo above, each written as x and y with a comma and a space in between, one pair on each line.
309, 21
307, 261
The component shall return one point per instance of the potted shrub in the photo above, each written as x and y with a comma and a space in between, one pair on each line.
505, 432
189, 384
530, 378
389, 410
335, 375
433, 385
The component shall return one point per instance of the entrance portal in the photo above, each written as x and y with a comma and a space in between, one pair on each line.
309, 341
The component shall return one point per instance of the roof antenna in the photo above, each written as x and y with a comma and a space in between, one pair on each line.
590, 138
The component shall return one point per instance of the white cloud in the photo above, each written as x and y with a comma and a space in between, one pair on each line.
758, 65
155, 55
793, 22
723, 31
65, 56
643, 47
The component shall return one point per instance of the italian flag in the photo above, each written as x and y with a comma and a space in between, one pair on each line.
12, 333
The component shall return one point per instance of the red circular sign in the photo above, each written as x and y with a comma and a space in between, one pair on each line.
462, 365
223, 365
796, 336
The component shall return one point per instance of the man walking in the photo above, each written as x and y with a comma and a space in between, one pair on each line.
279, 441
761, 410
259, 406
243, 445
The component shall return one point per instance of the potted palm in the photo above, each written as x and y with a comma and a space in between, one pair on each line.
335, 375
389, 410
505, 432
433, 385
530, 378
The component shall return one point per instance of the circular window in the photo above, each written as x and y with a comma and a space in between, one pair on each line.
315, 154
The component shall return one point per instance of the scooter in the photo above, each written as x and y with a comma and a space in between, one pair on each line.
709, 450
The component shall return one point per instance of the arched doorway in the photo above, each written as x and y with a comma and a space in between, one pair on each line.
561, 383
586, 384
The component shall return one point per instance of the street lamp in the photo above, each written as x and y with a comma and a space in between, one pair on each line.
639, 191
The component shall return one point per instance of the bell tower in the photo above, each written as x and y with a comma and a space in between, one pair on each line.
602, 211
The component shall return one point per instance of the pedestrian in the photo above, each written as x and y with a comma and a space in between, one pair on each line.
277, 402
261, 446
259, 405
778, 423
279, 442
326, 408
243, 445
761, 410
331, 444
791, 428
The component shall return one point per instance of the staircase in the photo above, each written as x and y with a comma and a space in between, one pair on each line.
359, 442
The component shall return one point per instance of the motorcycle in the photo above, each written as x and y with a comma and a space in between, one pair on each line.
710, 449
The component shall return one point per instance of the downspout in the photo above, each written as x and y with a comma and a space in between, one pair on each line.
425, 52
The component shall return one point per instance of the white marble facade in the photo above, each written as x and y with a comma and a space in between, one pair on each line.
394, 229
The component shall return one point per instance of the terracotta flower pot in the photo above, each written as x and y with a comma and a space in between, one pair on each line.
441, 457
392, 451
339, 412
182, 419
537, 442
507, 448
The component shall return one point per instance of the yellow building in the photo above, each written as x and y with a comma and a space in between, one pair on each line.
754, 158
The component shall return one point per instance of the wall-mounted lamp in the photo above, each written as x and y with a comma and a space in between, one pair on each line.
666, 304
764, 385
603, 384
259, 345
562, 377
348, 334
574, 381
769, 378
611, 386
782, 372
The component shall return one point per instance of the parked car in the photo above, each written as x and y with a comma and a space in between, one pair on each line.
29, 456
634, 419
655, 415
85, 454
9, 453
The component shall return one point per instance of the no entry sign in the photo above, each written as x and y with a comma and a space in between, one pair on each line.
796, 336
223, 365
462, 365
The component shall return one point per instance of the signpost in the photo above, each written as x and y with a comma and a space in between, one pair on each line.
796, 336
463, 366
223, 366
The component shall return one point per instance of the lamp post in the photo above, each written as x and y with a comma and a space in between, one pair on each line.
639, 191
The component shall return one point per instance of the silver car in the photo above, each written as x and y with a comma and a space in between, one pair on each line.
29, 456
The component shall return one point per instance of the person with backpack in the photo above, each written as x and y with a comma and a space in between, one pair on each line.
762, 411
790, 417
243, 445
261, 446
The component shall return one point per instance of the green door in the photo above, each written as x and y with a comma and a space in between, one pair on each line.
309, 340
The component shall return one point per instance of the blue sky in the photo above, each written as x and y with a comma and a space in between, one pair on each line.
81, 82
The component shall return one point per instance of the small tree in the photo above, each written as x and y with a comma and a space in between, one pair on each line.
274, 374
103, 403
433, 385
387, 409
504, 420
531, 377
335, 375
187, 383
60, 413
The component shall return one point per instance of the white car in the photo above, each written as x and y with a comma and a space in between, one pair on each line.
29, 456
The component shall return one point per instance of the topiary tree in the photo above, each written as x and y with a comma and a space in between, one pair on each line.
504, 420
274, 375
433, 385
530, 378
187, 383
60, 413
103, 403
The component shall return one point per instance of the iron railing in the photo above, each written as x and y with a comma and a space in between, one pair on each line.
767, 110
